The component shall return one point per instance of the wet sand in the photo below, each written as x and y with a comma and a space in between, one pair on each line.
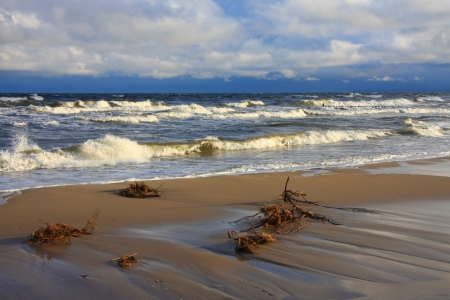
398, 249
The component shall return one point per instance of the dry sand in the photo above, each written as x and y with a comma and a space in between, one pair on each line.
399, 250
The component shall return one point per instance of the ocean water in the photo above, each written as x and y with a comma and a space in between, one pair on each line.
62, 139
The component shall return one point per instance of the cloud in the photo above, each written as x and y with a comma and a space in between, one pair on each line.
312, 78
207, 39
386, 78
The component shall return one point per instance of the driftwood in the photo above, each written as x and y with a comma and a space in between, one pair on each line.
140, 190
126, 260
285, 217
60, 233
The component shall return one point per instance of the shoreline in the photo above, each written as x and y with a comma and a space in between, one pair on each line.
398, 250
394, 167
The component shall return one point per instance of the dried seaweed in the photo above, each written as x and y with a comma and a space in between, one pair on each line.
284, 217
248, 242
60, 233
126, 260
140, 190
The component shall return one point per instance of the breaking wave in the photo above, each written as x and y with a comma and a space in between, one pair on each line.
362, 103
421, 128
113, 150
245, 103
374, 111
122, 119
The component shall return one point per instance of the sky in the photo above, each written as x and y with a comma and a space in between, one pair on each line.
224, 45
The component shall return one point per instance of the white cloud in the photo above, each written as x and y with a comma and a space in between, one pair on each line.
288, 73
163, 39
385, 78
310, 78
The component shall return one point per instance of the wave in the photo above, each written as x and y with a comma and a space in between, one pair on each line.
175, 111
305, 96
294, 113
429, 98
122, 119
245, 103
351, 95
190, 110
113, 150
18, 124
36, 97
76, 107
421, 128
162, 111
364, 111
314, 164
12, 99
361, 103
374, 96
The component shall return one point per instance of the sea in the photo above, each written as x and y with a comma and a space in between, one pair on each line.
66, 139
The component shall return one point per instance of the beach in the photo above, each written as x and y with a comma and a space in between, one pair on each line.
278, 150
391, 240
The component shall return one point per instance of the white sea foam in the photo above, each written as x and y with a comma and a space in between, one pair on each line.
245, 103
18, 124
306, 138
12, 99
141, 104
443, 111
362, 103
433, 98
351, 95
112, 150
364, 111
421, 128
329, 162
36, 97
122, 119
52, 123
15, 159
22, 143
374, 96
188, 111
306, 96
163, 111
295, 113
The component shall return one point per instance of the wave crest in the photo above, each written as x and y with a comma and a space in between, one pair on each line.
112, 150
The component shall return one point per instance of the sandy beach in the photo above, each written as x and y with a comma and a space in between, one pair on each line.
398, 248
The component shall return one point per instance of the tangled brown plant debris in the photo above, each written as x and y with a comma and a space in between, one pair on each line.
140, 190
249, 242
285, 217
60, 233
126, 260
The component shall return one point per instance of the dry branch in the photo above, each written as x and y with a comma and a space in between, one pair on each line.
140, 190
126, 260
285, 217
59, 233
